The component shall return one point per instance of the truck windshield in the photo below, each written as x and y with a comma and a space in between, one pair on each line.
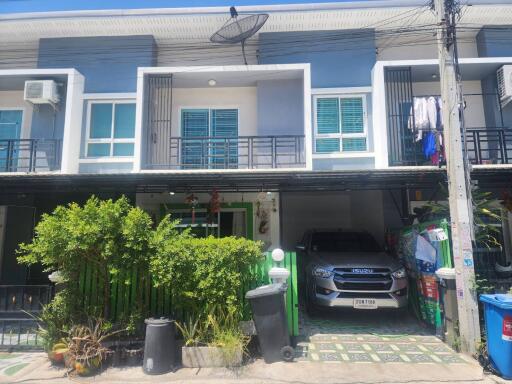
343, 242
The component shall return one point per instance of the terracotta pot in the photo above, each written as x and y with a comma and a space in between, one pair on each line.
87, 367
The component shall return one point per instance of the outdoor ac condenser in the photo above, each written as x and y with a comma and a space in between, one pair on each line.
41, 92
504, 75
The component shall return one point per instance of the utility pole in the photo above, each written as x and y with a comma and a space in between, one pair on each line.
461, 207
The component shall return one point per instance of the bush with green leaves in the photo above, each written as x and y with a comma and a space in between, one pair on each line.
205, 272
112, 236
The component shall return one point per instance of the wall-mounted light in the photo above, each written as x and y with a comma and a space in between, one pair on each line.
212, 82
171, 193
434, 76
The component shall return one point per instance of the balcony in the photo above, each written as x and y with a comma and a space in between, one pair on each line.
32, 130
225, 118
30, 155
489, 145
488, 122
243, 152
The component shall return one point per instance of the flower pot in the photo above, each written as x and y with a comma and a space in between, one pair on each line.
87, 367
204, 357
133, 354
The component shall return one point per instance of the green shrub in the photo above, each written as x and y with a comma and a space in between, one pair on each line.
205, 272
112, 236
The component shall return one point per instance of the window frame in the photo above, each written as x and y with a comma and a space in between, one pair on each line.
209, 108
110, 140
340, 136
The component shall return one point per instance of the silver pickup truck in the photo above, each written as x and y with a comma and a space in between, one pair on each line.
349, 269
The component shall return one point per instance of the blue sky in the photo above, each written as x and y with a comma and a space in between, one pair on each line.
8, 6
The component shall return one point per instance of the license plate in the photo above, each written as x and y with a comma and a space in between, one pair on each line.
365, 304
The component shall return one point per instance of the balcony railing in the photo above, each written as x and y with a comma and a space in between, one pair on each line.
29, 155
243, 152
489, 145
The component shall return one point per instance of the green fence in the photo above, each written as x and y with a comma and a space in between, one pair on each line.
133, 290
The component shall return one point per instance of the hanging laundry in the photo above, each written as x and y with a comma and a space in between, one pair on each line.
432, 112
418, 117
429, 145
439, 106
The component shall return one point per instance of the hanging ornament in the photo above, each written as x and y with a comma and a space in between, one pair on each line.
193, 201
214, 206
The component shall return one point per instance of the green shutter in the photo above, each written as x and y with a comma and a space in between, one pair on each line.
327, 115
327, 145
194, 124
354, 144
224, 125
352, 115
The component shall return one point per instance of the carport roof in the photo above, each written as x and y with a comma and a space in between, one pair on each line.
244, 181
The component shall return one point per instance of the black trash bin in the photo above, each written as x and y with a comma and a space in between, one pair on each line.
160, 346
269, 314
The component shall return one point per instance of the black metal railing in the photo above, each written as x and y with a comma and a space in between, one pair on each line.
19, 334
24, 298
30, 155
489, 145
242, 152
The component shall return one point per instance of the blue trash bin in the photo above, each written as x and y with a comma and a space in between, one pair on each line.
498, 325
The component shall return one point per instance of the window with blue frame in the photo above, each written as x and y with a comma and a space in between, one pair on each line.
111, 129
210, 138
340, 124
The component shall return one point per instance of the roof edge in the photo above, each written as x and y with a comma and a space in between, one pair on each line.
214, 10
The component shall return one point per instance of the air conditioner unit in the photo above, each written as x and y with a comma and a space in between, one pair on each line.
41, 92
504, 75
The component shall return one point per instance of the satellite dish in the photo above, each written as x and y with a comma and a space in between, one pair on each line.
238, 29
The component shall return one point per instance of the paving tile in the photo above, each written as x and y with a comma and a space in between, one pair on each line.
438, 347
408, 348
390, 358
329, 356
451, 359
357, 357
420, 358
379, 347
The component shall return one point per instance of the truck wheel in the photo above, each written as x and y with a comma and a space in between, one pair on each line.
287, 353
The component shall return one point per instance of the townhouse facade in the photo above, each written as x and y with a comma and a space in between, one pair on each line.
316, 131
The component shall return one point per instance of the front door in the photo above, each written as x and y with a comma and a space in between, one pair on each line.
10, 129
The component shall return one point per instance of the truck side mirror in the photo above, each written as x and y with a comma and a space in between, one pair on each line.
300, 247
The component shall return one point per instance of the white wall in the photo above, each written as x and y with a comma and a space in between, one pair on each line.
17, 55
347, 210
14, 100
243, 98
152, 202
474, 112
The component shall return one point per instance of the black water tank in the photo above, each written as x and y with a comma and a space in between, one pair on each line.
160, 346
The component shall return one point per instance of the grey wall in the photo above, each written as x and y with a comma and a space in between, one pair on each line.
338, 58
491, 104
109, 63
48, 123
280, 107
494, 41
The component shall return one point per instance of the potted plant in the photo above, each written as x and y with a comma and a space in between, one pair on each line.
86, 350
215, 341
